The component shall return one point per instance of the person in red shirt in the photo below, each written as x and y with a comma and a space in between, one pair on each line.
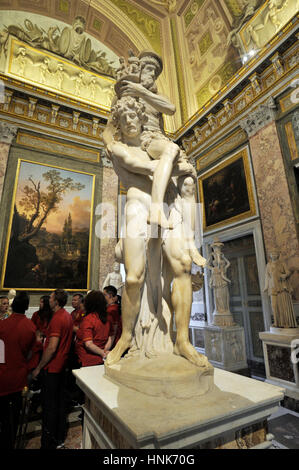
52, 364
4, 306
17, 337
94, 331
75, 394
78, 312
41, 319
110, 293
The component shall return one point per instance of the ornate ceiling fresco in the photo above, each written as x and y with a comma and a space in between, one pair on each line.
204, 43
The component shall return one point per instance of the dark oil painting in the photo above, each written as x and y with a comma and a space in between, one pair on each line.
50, 229
225, 193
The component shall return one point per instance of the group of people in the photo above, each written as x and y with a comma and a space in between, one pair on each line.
46, 348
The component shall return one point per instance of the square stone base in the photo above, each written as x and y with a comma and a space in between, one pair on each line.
234, 415
281, 368
225, 347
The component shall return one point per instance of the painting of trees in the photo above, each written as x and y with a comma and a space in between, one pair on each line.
50, 230
40, 203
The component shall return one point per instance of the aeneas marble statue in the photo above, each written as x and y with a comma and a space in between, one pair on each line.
157, 249
280, 292
114, 279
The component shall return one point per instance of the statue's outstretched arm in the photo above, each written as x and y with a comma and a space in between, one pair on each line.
131, 163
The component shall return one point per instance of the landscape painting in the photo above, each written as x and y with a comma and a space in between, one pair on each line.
226, 192
49, 233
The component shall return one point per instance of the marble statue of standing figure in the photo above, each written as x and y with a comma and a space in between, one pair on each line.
280, 292
135, 143
114, 279
219, 265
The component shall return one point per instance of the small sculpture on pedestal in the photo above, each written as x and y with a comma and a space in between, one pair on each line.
218, 265
280, 292
11, 295
114, 279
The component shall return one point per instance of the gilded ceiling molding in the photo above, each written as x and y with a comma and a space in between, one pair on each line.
123, 22
181, 85
148, 25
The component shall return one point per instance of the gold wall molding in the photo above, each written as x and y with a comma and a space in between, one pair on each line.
231, 142
51, 117
245, 100
289, 65
291, 140
58, 148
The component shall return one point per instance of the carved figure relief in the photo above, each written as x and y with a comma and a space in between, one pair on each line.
71, 43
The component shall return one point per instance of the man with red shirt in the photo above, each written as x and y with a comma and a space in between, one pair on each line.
17, 337
110, 293
52, 364
78, 312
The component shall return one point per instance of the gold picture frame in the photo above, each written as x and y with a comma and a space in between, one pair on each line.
226, 192
76, 249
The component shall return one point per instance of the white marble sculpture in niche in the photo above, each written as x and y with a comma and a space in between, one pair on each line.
114, 279
280, 291
218, 265
157, 262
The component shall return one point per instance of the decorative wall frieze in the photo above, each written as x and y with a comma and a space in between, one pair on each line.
256, 83
259, 118
54, 113
261, 85
278, 64
7, 132
29, 109
32, 106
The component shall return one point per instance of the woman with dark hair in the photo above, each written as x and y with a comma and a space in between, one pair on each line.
41, 318
94, 331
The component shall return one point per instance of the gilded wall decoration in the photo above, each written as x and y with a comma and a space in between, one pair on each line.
150, 27
270, 18
59, 148
50, 72
70, 42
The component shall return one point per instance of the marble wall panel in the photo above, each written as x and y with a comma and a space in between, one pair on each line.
107, 245
280, 363
278, 221
4, 151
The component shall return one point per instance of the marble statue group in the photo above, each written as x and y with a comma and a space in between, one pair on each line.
158, 247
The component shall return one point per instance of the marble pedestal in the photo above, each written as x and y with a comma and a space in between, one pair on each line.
281, 365
225, 347
233, 415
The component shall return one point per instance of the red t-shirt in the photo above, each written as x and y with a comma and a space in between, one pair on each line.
77, 316
18, 335
40, 325
92, 329
61, 326
114, 317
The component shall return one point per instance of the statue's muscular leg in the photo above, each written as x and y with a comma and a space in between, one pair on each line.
181, 297
134, 258
167, 153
